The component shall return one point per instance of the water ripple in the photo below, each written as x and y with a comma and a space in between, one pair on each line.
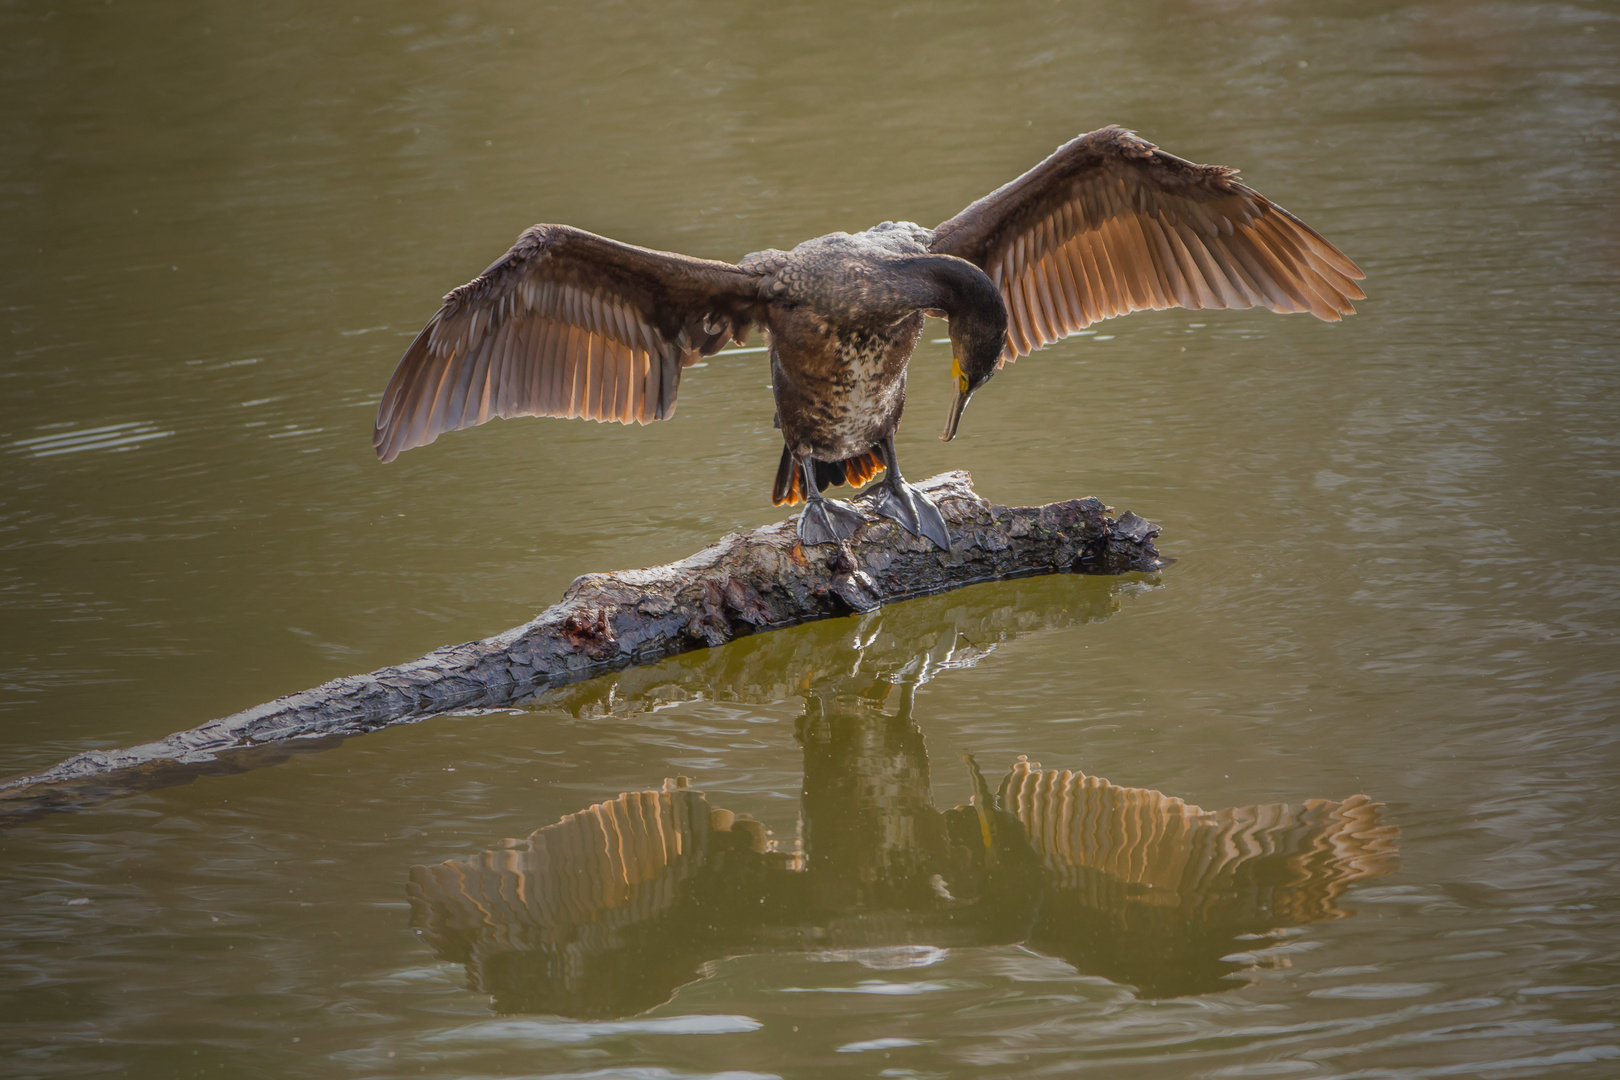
115, 437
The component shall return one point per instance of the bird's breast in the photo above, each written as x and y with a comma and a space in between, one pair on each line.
841, 387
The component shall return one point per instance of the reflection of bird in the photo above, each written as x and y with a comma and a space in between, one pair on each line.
567, 323
607, 911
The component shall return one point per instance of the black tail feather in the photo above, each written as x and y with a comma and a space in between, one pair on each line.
786, 488
789, 486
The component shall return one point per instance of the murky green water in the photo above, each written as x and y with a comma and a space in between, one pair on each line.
1397, 542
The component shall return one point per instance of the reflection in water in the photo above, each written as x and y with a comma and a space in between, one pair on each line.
610, 909
1146, 889
900, 644
602, 914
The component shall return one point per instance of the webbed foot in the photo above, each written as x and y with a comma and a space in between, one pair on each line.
827, 521
912, 509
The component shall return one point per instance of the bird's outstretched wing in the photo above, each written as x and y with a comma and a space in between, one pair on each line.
566, 323
1111, 224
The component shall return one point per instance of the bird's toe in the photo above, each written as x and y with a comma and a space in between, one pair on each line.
916, 514
827, 521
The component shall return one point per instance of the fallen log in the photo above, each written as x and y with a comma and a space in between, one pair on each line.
744, 584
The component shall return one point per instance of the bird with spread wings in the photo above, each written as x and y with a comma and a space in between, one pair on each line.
571, 324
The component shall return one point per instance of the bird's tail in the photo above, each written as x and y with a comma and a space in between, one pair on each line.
789, 486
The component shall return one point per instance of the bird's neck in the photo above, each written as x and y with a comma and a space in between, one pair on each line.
971, 302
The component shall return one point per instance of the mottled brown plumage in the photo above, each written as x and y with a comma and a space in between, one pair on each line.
570, 324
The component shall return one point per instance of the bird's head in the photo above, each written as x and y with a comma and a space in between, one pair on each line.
978, 334
978, 318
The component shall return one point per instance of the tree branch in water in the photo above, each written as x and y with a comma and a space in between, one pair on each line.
742, 585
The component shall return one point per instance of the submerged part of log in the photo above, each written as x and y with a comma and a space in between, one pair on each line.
745, 583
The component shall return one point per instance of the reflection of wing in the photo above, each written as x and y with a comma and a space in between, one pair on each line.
552, 923
614, 863
1157, 849
1180, 880
1110, 224
566, 323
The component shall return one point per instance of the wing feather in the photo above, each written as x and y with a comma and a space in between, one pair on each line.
624, 360
573, 381
1152, 271
608, 358
1111, 298
545, 380
1110, 224
566, 323
630, 385
1091, 301
592, 360
514, 373
650, 391
647, 392
1043, 292
596, 373
1063, 277
1034, 300
573, 389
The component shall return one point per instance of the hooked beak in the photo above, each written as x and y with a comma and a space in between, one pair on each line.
958, 403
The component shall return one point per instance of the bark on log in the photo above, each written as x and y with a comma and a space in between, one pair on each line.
744, 584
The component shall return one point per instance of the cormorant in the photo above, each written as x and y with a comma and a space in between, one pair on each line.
568, 323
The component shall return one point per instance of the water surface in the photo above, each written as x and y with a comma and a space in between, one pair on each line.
1396, 537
